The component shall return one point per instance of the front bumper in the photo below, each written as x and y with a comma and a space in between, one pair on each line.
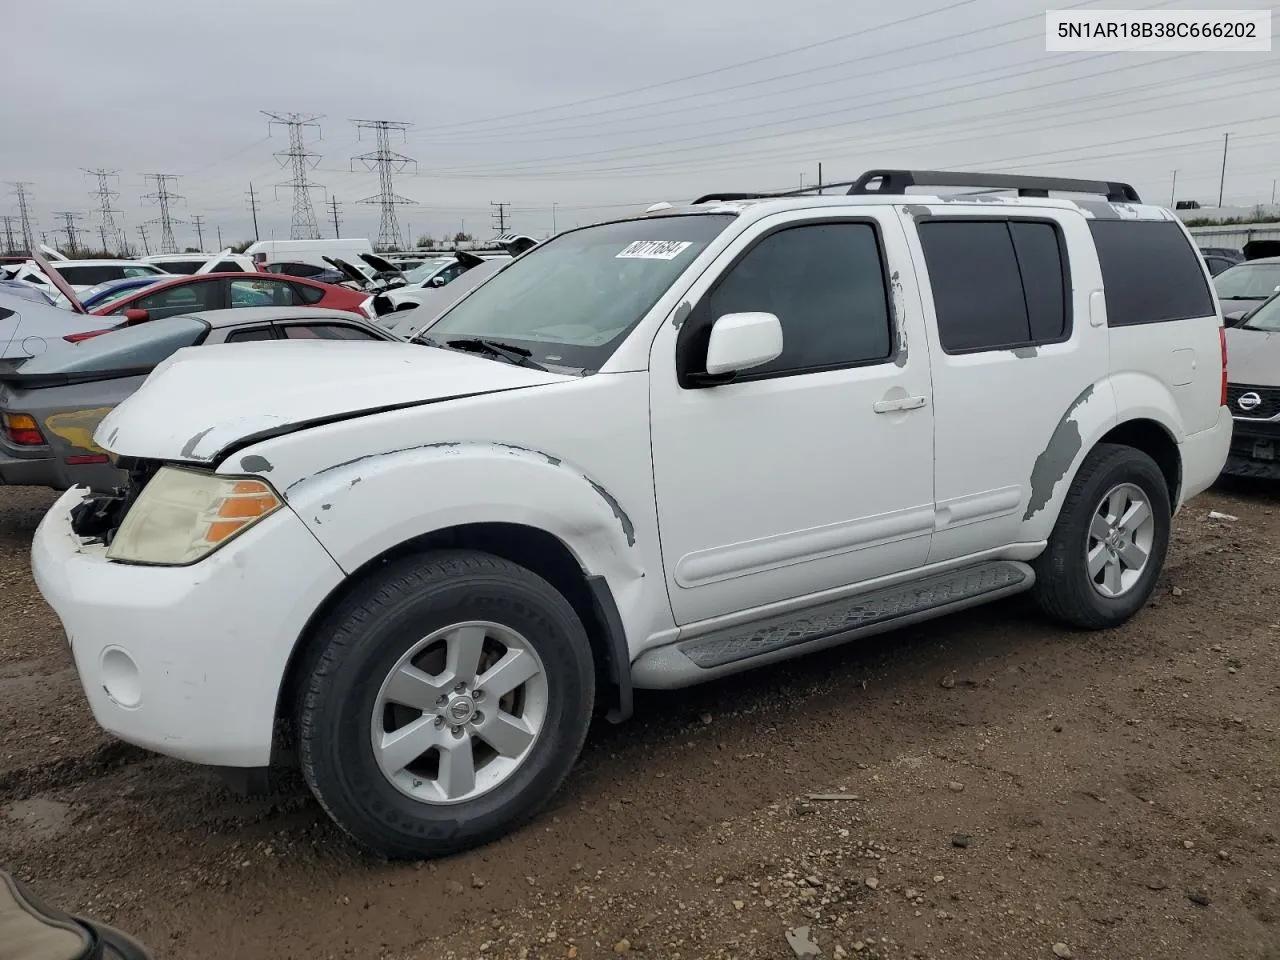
1255, 449
185, 661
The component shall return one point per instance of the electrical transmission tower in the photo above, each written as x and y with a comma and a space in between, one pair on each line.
500, 217
163, 197
70, 229
387, 162
197, 221
24, 213
333, 204
8, 222
107, 225
303, 225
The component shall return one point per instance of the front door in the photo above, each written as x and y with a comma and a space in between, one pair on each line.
813, 471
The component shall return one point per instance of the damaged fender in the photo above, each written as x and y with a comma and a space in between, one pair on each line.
362, 508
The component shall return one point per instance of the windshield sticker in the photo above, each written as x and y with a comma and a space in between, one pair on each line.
654, 250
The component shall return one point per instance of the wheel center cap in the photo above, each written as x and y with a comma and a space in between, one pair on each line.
460, 708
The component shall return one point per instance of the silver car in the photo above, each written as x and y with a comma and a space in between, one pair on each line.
51, 404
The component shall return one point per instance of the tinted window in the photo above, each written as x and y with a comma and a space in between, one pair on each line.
1044, 280
182, 266
143, 345
252, 333
977, 287
1150, 272
326, 331
185, 298
79, 275
261, 293
826, 285
305, 294
228, 266
295, 269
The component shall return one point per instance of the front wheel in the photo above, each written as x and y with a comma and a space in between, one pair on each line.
449, 699
1109, 544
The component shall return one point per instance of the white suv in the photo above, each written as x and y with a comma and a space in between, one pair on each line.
646, 453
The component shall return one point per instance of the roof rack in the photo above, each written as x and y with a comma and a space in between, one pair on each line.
897, 182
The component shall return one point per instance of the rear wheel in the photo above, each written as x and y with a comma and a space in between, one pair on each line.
450, 698
1108, 546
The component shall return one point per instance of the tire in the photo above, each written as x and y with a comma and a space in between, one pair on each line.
1064, 588
361, 646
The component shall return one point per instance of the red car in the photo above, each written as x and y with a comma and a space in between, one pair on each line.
217, 291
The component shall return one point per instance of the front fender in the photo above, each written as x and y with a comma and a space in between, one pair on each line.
361, 509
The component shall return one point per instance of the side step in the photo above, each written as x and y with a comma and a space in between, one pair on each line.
744, 646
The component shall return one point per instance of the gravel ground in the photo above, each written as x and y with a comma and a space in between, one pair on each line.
980, 786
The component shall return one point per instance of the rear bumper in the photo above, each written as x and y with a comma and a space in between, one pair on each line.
1203, 455
1255, 449
27, 471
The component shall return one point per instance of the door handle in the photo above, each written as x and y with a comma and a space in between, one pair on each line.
904, 403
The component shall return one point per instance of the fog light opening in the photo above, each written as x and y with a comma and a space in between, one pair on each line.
120, 678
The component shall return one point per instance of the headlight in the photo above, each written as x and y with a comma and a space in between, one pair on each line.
183, 515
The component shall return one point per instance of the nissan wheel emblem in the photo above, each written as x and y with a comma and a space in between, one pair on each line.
1249, 401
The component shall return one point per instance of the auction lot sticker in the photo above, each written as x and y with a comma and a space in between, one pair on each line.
653, 250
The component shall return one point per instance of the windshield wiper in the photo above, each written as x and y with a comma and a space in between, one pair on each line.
520, 356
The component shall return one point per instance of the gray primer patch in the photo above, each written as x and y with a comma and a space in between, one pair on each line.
916, 210
1100, 209
255, 464
189, 448
1025, 353
326, 506
896, 301
627, 526
681, 314
1054, 461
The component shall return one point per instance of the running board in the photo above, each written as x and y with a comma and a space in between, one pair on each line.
744, 646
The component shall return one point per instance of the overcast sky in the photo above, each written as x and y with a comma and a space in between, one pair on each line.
597, 108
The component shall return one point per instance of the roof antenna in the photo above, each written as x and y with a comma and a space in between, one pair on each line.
661, 205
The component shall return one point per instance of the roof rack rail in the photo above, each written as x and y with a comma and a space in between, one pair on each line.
897, 182
799, 192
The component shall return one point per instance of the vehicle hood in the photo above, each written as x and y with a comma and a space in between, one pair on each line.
203, 400
1253, 357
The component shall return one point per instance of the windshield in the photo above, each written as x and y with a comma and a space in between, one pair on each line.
420, 273
1266, 317
571, 300
144, 345
1248, 281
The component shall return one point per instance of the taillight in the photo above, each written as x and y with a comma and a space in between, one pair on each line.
78, 337
1222, 340
22, 430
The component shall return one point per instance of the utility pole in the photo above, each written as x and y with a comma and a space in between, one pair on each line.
303, 225
500, 215
253, 207
8, 222
1223, 180
104, 193
24, 212
70, 229
1273, 190
819, 177
333, 204
1173, 191
387, 162
553, 219
220, 247
198, 221
163, 197
146, 246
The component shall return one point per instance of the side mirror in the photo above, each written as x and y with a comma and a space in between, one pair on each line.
740, 341
437, 281
132, 316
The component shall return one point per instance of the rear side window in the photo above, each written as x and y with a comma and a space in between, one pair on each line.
1150, 271
228, 266
997, 284
306, 294
182, 266
326, 331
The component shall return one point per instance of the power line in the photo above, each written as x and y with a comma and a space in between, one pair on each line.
163, 198
106, 213
337, 229
708, 73
500, 216
69, 228
387, 162
253, 207
197, 220
24, 212
303, 226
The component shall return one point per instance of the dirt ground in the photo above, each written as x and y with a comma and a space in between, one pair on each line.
1002, 788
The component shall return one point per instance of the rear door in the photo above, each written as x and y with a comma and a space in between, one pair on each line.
171, 301
1012, 351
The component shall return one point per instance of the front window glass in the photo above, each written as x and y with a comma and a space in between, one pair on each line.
571, 300
1248, 281
1266, 317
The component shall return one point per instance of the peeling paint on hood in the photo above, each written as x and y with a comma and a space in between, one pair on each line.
200, 402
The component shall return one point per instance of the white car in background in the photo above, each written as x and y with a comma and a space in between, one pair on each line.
192, 262
83, 274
